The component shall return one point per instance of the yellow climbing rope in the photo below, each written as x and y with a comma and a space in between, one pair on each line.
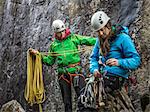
34, 91
66, 52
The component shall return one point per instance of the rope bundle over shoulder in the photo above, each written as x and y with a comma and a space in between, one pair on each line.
34, 91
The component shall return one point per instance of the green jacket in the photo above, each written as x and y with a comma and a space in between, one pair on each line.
65, 52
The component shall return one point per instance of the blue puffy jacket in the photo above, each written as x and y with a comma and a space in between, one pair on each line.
123, 49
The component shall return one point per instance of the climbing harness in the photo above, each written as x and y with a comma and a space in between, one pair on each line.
34, 90
75, 75
70, 77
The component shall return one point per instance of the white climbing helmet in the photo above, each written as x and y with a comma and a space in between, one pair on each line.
99, 20
58, 26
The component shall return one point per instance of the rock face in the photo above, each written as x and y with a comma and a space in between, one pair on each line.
27, 23
12, 106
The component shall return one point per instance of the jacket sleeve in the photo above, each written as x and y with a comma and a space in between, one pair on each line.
131, 58
94, 58
84, 40
48, 60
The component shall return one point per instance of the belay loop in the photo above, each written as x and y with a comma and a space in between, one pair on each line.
34, 91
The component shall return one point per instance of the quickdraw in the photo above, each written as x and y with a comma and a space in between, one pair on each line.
88, 98
93, 93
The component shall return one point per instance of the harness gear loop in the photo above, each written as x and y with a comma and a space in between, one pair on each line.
34, 90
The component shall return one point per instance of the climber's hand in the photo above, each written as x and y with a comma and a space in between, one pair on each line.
112, 62
97, 74
33, 51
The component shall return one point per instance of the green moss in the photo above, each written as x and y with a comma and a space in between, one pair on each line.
2, 2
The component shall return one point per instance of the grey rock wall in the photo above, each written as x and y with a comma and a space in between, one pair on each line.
27, 23
12, 106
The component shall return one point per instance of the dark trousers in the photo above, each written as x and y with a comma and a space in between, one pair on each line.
112, 83
66, 90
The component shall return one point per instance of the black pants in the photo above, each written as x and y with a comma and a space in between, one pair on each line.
66, 91
112, 83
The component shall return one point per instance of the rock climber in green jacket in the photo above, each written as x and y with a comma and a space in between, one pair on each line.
65, 53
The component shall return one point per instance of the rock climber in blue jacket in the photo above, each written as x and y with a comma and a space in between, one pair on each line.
114, 53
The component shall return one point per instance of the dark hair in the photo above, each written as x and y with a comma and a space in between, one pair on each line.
105, 43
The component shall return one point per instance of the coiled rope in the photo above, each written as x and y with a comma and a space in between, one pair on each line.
34, 90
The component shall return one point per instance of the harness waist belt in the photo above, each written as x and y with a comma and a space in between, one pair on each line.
73, 65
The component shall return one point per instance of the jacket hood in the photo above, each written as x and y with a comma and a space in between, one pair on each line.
124, 29
67, 33
121, 29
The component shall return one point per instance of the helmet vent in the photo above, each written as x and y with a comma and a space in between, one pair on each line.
100, 19
101, 22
